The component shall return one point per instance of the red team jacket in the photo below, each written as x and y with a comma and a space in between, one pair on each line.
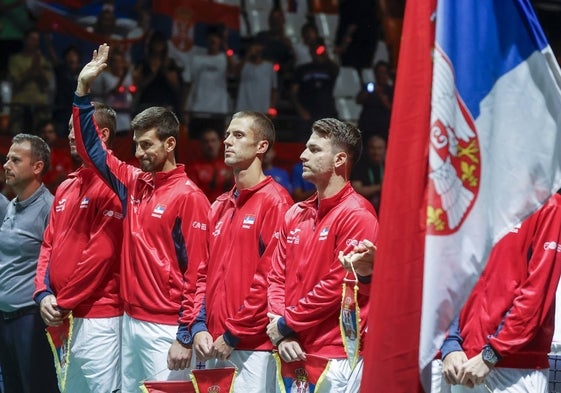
232, 286
515, 314
165, 223
306, 278
80, 256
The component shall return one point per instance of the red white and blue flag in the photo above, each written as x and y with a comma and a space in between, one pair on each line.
474, 148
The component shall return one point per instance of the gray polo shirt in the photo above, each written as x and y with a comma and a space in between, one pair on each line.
21, 234
3, 206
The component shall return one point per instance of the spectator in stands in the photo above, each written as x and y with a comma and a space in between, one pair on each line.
32, 77
301, 188
61, 161
15, 20
368, 174
376, 100
357, 33
210, 173
157, 77
277, 46
66, 76
206, 85
115, 88
257, 87
310, 37
312, 89
280, 175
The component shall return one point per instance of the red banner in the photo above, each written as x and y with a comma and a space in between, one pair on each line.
168, 387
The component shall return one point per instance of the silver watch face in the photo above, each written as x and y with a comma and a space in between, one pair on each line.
490, 356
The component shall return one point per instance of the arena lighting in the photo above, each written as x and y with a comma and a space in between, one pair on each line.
121, 89
320, 50
132, 89
230, 52
276, 67
272, 112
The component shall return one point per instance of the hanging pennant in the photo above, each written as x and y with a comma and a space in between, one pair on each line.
167, 387
301, 376
349, 319
59, 338
214, 380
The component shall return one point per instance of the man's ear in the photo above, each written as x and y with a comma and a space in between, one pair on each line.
38, 167
341, 159
105, 134
170, 144
262, 146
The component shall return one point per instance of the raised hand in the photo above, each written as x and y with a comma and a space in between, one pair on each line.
91, 70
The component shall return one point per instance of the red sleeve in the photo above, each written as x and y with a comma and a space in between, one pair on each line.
276, 291
195, 230
99, 256
115, 173
326, 294
42, 286
536, 295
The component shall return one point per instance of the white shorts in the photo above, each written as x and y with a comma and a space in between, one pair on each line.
341, 378
256, 371
145, 351
95, 355
510, 380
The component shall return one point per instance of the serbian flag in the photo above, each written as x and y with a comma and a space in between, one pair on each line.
60, 338
187, 21
302, 376
167, 387
214, 380
474, 148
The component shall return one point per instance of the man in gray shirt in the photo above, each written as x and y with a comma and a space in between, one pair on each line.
25, 358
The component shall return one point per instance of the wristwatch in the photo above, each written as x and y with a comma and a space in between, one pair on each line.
490, 356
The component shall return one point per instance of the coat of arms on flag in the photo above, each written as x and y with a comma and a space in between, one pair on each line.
214, 380
301, 376
60, 338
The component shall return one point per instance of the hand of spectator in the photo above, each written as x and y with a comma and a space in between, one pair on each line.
451, 366
91, 70
361, 258
202, 344
273, 329
474, 371
290, 350
222, 350
50, 312
179, 356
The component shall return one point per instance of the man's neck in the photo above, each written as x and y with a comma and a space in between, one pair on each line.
250, 176
28, 190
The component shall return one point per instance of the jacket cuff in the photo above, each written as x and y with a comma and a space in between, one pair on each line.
230, 339
40, 296
183, 336
284, 330
450, 345
364, 279
198, 327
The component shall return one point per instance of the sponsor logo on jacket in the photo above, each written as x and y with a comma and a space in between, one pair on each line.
293, 237
552, 246
323, 233
60, 205
216, 231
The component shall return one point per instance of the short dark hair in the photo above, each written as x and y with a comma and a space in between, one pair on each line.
344, 135
105, 117
40, 150
162, 119
263, 127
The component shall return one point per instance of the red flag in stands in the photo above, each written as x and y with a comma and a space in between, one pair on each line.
474, 148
